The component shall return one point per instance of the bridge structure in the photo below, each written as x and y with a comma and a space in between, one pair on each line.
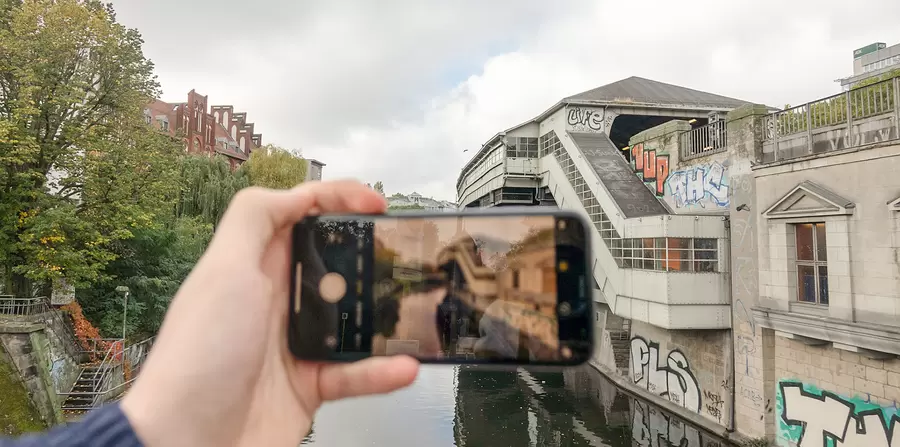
655, 254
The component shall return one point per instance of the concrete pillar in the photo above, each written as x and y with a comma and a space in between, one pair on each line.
754, 368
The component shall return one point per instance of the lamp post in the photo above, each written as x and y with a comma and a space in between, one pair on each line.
125, 290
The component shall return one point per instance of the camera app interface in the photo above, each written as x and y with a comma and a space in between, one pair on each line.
476, 287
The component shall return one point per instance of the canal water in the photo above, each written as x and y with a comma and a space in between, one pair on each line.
471, 407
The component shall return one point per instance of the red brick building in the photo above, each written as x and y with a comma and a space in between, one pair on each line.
206, 129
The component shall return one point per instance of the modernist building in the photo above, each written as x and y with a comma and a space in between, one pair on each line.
744, 258
206, 129
314, 170
872, 60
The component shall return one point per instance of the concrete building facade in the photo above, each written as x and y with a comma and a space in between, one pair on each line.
751, 284
870, 61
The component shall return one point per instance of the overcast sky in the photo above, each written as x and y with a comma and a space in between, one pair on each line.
395, 90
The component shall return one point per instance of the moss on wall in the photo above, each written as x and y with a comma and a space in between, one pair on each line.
17, 415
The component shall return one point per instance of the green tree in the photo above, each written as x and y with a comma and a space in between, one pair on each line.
73, 83
152, 264
379, 187
274, 167
207, 186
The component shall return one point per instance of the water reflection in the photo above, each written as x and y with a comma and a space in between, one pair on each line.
459, 406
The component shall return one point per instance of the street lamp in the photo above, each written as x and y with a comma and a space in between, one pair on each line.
125, 290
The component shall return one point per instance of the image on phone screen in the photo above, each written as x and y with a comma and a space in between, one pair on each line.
454, 288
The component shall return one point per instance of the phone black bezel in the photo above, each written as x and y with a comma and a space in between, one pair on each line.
582, 348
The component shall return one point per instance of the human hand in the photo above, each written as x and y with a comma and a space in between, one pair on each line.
220, 372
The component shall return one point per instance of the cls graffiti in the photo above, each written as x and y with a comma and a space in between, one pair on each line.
674, 381
815, 418
700, 184
648, 425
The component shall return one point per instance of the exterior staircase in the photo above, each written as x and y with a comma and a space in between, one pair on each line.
84, 392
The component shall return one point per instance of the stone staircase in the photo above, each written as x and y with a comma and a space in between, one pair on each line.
621, 344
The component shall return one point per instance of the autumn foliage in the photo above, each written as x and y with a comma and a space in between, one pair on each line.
89, 336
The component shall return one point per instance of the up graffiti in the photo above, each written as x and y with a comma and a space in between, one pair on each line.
809, 417
584, 119
653, 168
674, 380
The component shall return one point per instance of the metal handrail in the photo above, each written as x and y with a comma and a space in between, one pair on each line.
105, 370
840, 111
708, 139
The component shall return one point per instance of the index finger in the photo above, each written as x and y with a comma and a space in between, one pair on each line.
256, 214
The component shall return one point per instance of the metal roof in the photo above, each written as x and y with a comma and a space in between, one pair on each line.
640, 90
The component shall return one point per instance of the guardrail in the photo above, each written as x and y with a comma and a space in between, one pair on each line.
704, 140
853, 118
11, 305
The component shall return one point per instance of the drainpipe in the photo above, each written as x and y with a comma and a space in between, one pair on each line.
730, 365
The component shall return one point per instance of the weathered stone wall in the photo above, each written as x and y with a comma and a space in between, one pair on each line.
689, 368
696, 186
830, 390
39, 350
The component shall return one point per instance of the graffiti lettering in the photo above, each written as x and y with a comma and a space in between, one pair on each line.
652, 168
714, 404
583, 119
809, 417
754, 396
648, 425
674, 381
700, 185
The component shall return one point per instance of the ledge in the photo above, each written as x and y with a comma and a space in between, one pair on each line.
658, 131
843, 334
747, 110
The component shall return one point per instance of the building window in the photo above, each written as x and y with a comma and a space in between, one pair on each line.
812, 268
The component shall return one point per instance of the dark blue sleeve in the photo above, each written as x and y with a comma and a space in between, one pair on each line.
104, 427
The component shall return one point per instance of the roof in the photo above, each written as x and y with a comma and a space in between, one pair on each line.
316, 162
641, 90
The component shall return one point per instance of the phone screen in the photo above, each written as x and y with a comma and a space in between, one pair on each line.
455, 288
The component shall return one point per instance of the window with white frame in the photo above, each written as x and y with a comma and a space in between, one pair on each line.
812, 263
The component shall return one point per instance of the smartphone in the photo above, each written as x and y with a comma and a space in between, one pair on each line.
487, 287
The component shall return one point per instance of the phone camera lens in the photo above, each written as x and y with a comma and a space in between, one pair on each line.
331, 341
565, 309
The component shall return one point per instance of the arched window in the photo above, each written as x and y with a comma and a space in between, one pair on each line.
225, 118
198, 145
243, 144
234, 132
218, 116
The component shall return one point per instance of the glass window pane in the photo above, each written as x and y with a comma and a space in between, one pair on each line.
678, 243
706, 266
806, 283
820, 242
823, 284
705, 244
804, 241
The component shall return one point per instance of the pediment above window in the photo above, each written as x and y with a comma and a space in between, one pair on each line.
894, 204
809, 200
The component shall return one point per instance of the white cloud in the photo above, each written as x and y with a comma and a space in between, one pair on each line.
365, 88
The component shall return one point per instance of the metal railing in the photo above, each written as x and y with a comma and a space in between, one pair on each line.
115, 357
856, 117
11, 305
704, 140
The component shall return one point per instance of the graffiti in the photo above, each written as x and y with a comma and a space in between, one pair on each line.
746, 346
653, 168
714, 404
700, 185
584, 119
648, 425
810, 417
751, 394
674, 381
